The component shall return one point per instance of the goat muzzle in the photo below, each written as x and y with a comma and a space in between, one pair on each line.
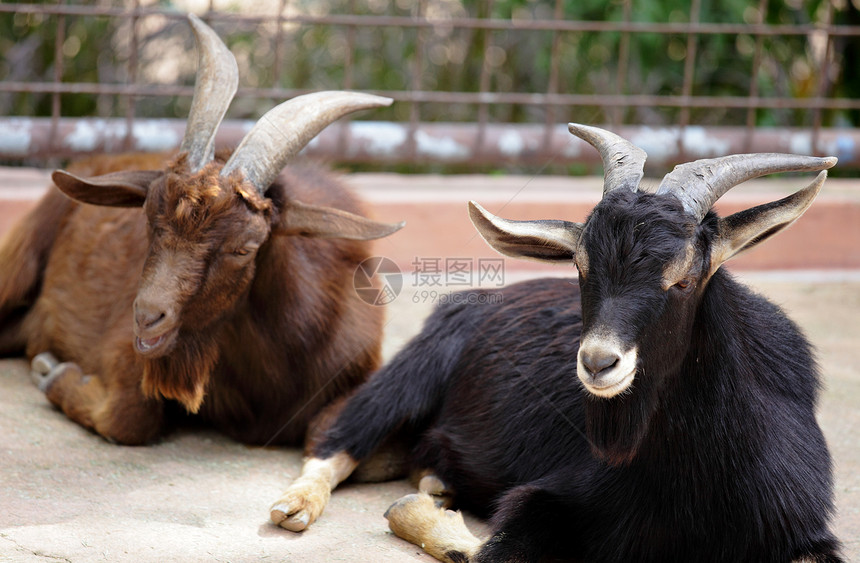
154, 328
603, 368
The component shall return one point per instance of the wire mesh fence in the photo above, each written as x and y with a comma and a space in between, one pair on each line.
475, 82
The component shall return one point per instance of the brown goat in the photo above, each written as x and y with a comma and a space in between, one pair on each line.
223, 282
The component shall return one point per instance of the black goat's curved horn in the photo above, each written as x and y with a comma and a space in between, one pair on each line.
699, 184
214, 87
623, 162
287, 128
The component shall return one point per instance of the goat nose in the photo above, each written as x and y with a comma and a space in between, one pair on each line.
597, 361
147, 315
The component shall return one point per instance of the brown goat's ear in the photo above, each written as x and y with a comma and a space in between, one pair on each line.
747, 228
117, 189
303, 219
543, 241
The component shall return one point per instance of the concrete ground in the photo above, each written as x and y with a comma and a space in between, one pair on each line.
66, 494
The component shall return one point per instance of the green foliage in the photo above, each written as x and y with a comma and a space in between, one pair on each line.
386, 58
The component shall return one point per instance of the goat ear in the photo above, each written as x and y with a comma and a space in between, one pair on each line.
544, 241
303, 219
117, 189
747, 228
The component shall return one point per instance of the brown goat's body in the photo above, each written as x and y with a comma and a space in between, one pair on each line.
296, 338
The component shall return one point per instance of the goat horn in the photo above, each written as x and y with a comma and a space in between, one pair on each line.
287, 128
699, 184
214, 87
623, 162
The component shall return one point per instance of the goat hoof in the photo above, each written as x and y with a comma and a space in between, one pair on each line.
413, 502
416, 519
44, 370
417, 506
43, 363
433, 485
398, 506
437, 489
300, 506
292, 521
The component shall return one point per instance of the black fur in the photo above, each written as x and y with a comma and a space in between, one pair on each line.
714, 455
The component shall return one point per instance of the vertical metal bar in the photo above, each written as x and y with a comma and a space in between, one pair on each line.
56, 102
417, 70
623, 61
759, 48
278, 45
823, 78
133, 58
689, 71
552, 85
344, 138
349, 62
484, 84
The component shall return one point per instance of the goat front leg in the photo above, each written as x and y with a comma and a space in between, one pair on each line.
441, 533
304, 500
529, 526
119, 413
325, 468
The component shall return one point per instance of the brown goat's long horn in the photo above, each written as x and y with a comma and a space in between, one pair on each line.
623, 162
215, 85
287, 128
699, 184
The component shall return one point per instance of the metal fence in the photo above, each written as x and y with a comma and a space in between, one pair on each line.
488, 114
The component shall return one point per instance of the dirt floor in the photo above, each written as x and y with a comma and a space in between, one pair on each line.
66, 494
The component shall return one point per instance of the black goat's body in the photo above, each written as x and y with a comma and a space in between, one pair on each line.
730, 466
654, 410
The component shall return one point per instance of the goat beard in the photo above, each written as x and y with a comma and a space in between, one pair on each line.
617, 427
184, 373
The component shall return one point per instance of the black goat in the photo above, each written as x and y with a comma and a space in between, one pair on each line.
689, 433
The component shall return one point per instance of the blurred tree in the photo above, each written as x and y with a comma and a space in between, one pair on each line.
312, 57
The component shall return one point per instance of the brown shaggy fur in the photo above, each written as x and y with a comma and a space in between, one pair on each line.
268, 328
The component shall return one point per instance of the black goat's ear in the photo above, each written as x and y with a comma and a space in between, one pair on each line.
747, 228
544, 241
303, 219
117, 189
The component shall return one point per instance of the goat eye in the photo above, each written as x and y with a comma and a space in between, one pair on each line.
242, 252
684, 283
